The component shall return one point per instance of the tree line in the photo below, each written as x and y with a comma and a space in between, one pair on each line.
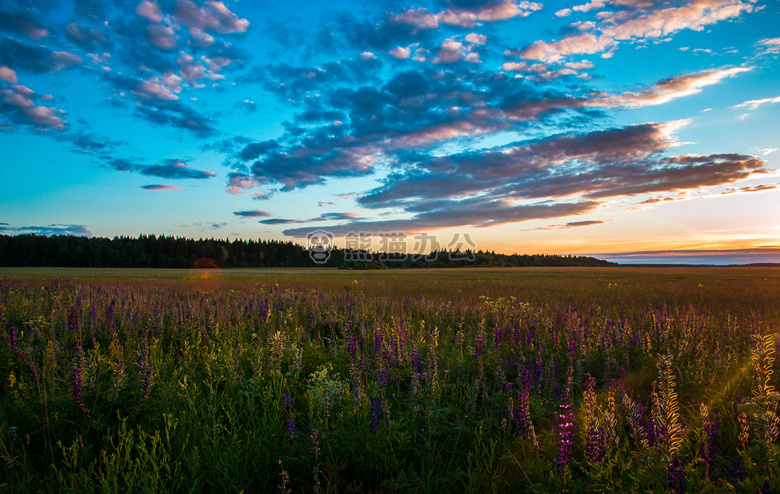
151, 251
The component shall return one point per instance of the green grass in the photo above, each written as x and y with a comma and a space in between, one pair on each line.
186, 381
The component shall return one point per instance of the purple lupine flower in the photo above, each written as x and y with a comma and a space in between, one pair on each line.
384, 377
736, 474
478, 348
376, 413
77, 387
595, 445
73, 320
352, 347
565, 434
416, 364
676, 476
15, 340
291, 429
707, 448
377, 340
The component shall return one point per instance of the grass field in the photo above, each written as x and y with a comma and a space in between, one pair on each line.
454, 380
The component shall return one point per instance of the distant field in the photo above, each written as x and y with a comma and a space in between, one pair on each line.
441, 380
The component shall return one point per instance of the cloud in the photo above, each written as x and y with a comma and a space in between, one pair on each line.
238, 182
176, 114
150, 10
7, 75
254, 213
479, 212
594, 166
213, 16
755, 188
160, 187
579, 44
36, 59
401, 52
450, 50
676, 87
566, 226
49, 230
161, 36
277, 221
21, 22
18, 105
170, 169
769, 46
755, 103
84, 37
637, 22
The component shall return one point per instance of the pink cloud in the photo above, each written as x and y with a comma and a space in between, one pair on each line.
7, 74
21, 97
150, 10
238, 182
214, 16
673, 88
160, 87
641, 21
584, 43
401, 52
161, 36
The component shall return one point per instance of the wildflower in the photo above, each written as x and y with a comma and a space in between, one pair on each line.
14, 340
478, 348
291, 429
595, 445
565, 434
376, 413
73, 321
707, 447
77, 387
676, 476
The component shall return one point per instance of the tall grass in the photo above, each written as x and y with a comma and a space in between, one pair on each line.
462, 381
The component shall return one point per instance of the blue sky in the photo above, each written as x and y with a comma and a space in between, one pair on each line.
627, 129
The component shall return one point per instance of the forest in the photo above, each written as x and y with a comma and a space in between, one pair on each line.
151, 251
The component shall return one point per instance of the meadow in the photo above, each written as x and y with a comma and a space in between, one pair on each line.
333, 381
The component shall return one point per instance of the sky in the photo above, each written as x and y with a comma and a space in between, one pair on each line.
630, 130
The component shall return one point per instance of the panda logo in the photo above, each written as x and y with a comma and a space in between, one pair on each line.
320, 243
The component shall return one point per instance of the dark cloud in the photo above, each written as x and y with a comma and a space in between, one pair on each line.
54, 229
475, 212
88, 142
566, 226
20, 22
178, 115
160, 187
255, 213
277, 221
595, 165
37, 59
388, 33
85, 37
254, 150
171, 169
